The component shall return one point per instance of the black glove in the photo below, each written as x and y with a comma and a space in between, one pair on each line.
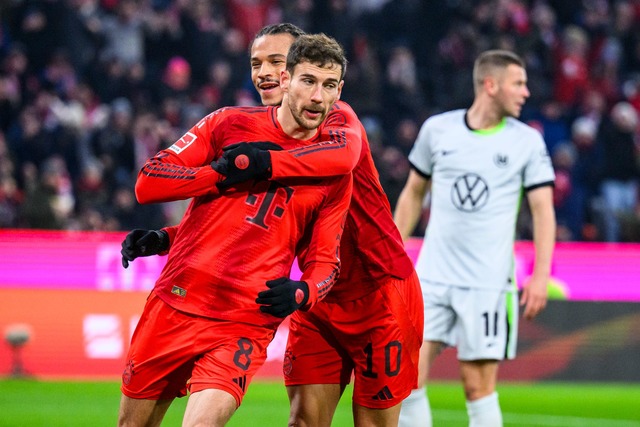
283, 297
244, 161
143, 243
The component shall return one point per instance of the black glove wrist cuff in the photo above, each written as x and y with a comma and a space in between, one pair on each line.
163, 240
263, 158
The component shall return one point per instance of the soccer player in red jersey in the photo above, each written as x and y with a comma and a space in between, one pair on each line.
370, 324
202, 328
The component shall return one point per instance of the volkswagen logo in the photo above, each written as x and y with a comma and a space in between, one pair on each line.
469, 192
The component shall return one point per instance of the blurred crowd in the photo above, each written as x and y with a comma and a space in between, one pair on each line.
90, 89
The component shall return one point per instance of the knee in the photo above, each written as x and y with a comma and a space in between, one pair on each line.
297, 419
477, 391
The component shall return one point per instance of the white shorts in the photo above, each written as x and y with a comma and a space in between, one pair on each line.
481, 323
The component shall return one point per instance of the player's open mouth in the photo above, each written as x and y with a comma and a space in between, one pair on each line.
313, 113
268, 86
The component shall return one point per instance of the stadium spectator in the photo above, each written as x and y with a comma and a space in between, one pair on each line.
124, 34
91, 189
12, 85
572, 74
54, 47
50, 203
10, 194
475, 163
395, 162
564, 196
218, 90
202, 26
81, 33
620, 167
401, 90
113, 145
552, 123
586, 178
124, 213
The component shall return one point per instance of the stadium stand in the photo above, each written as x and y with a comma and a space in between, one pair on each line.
89, 89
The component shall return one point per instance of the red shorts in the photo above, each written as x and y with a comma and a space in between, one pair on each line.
376, 338
172, 351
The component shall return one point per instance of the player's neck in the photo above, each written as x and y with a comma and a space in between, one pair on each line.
480, 116
290, 126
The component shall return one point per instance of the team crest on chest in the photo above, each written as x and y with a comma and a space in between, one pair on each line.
501, 160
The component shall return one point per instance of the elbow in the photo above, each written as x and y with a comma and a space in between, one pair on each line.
143, 193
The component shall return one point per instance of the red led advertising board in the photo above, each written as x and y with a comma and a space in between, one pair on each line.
79, 306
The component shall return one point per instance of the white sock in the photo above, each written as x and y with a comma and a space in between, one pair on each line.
415, 411
485, 412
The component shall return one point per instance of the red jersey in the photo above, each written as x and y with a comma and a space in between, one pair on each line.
372, 249
226, 248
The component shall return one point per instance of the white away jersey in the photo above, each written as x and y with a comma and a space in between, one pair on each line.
477, 180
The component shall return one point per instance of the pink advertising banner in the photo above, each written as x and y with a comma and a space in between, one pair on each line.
79, 307
91, 261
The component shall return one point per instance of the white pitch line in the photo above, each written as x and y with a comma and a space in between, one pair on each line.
541, 420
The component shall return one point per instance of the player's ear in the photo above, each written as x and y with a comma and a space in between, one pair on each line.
285, 80
340, 89
490, 85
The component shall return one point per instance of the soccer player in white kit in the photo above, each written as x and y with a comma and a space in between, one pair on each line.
476, 164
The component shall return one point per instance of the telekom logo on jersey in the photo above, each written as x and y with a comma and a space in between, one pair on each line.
180, 145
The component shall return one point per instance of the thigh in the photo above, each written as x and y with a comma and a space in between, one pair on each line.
439, 316
160, 358
382, 333
486, 323
313, 354
229, 355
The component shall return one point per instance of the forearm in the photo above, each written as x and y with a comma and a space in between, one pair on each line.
320, 277
319, 258
544, 232
407, 213
162, 182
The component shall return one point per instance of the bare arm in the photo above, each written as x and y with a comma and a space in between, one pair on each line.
409, 205
534, 294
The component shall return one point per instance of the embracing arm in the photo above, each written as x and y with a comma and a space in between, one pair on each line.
337, 153
164, 179
183, 170
319, 258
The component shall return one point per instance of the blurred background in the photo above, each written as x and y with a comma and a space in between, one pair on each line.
90, 89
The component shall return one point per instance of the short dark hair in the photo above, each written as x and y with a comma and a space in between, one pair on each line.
282, 28
318, 49
275, 29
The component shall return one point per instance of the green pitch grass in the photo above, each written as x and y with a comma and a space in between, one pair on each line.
31, 403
